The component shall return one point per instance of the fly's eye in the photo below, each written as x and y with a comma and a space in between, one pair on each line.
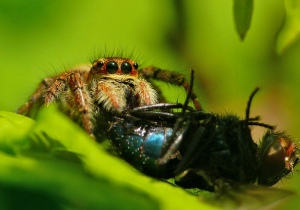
278, 157
126, 67
100, 64
272, 166
112, 67
135, 66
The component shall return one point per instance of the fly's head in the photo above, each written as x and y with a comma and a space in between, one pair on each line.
278, 155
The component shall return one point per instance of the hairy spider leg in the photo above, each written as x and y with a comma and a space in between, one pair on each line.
36, 96
51, 89
172, 78
82, 98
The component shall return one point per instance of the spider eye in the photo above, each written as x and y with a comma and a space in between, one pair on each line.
112, 67
100, 64
126, 67
277, 159
135, 66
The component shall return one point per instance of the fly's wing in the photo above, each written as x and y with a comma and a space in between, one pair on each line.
250, 197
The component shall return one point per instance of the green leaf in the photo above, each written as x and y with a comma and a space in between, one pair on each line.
60, 184
242, 11
13, 131
289, 31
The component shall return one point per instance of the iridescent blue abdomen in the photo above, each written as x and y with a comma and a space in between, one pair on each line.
140, 144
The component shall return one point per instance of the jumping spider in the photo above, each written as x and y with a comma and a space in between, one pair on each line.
112, 84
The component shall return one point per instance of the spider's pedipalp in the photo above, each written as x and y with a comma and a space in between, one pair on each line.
148, 95
119, 92
110, 95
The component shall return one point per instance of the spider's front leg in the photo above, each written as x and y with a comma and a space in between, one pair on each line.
169, 77
69, 87
77, 83
36, 97
72, 87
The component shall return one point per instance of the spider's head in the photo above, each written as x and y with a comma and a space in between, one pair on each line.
115, 65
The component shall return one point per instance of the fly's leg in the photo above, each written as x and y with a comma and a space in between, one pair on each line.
200, 178
169, 77
181, 128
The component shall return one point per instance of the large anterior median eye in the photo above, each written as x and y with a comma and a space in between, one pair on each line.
112, 67
126, 67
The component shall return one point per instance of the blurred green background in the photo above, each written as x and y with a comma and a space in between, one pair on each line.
42, 38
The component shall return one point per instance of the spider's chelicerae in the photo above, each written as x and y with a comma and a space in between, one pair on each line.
113, 84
